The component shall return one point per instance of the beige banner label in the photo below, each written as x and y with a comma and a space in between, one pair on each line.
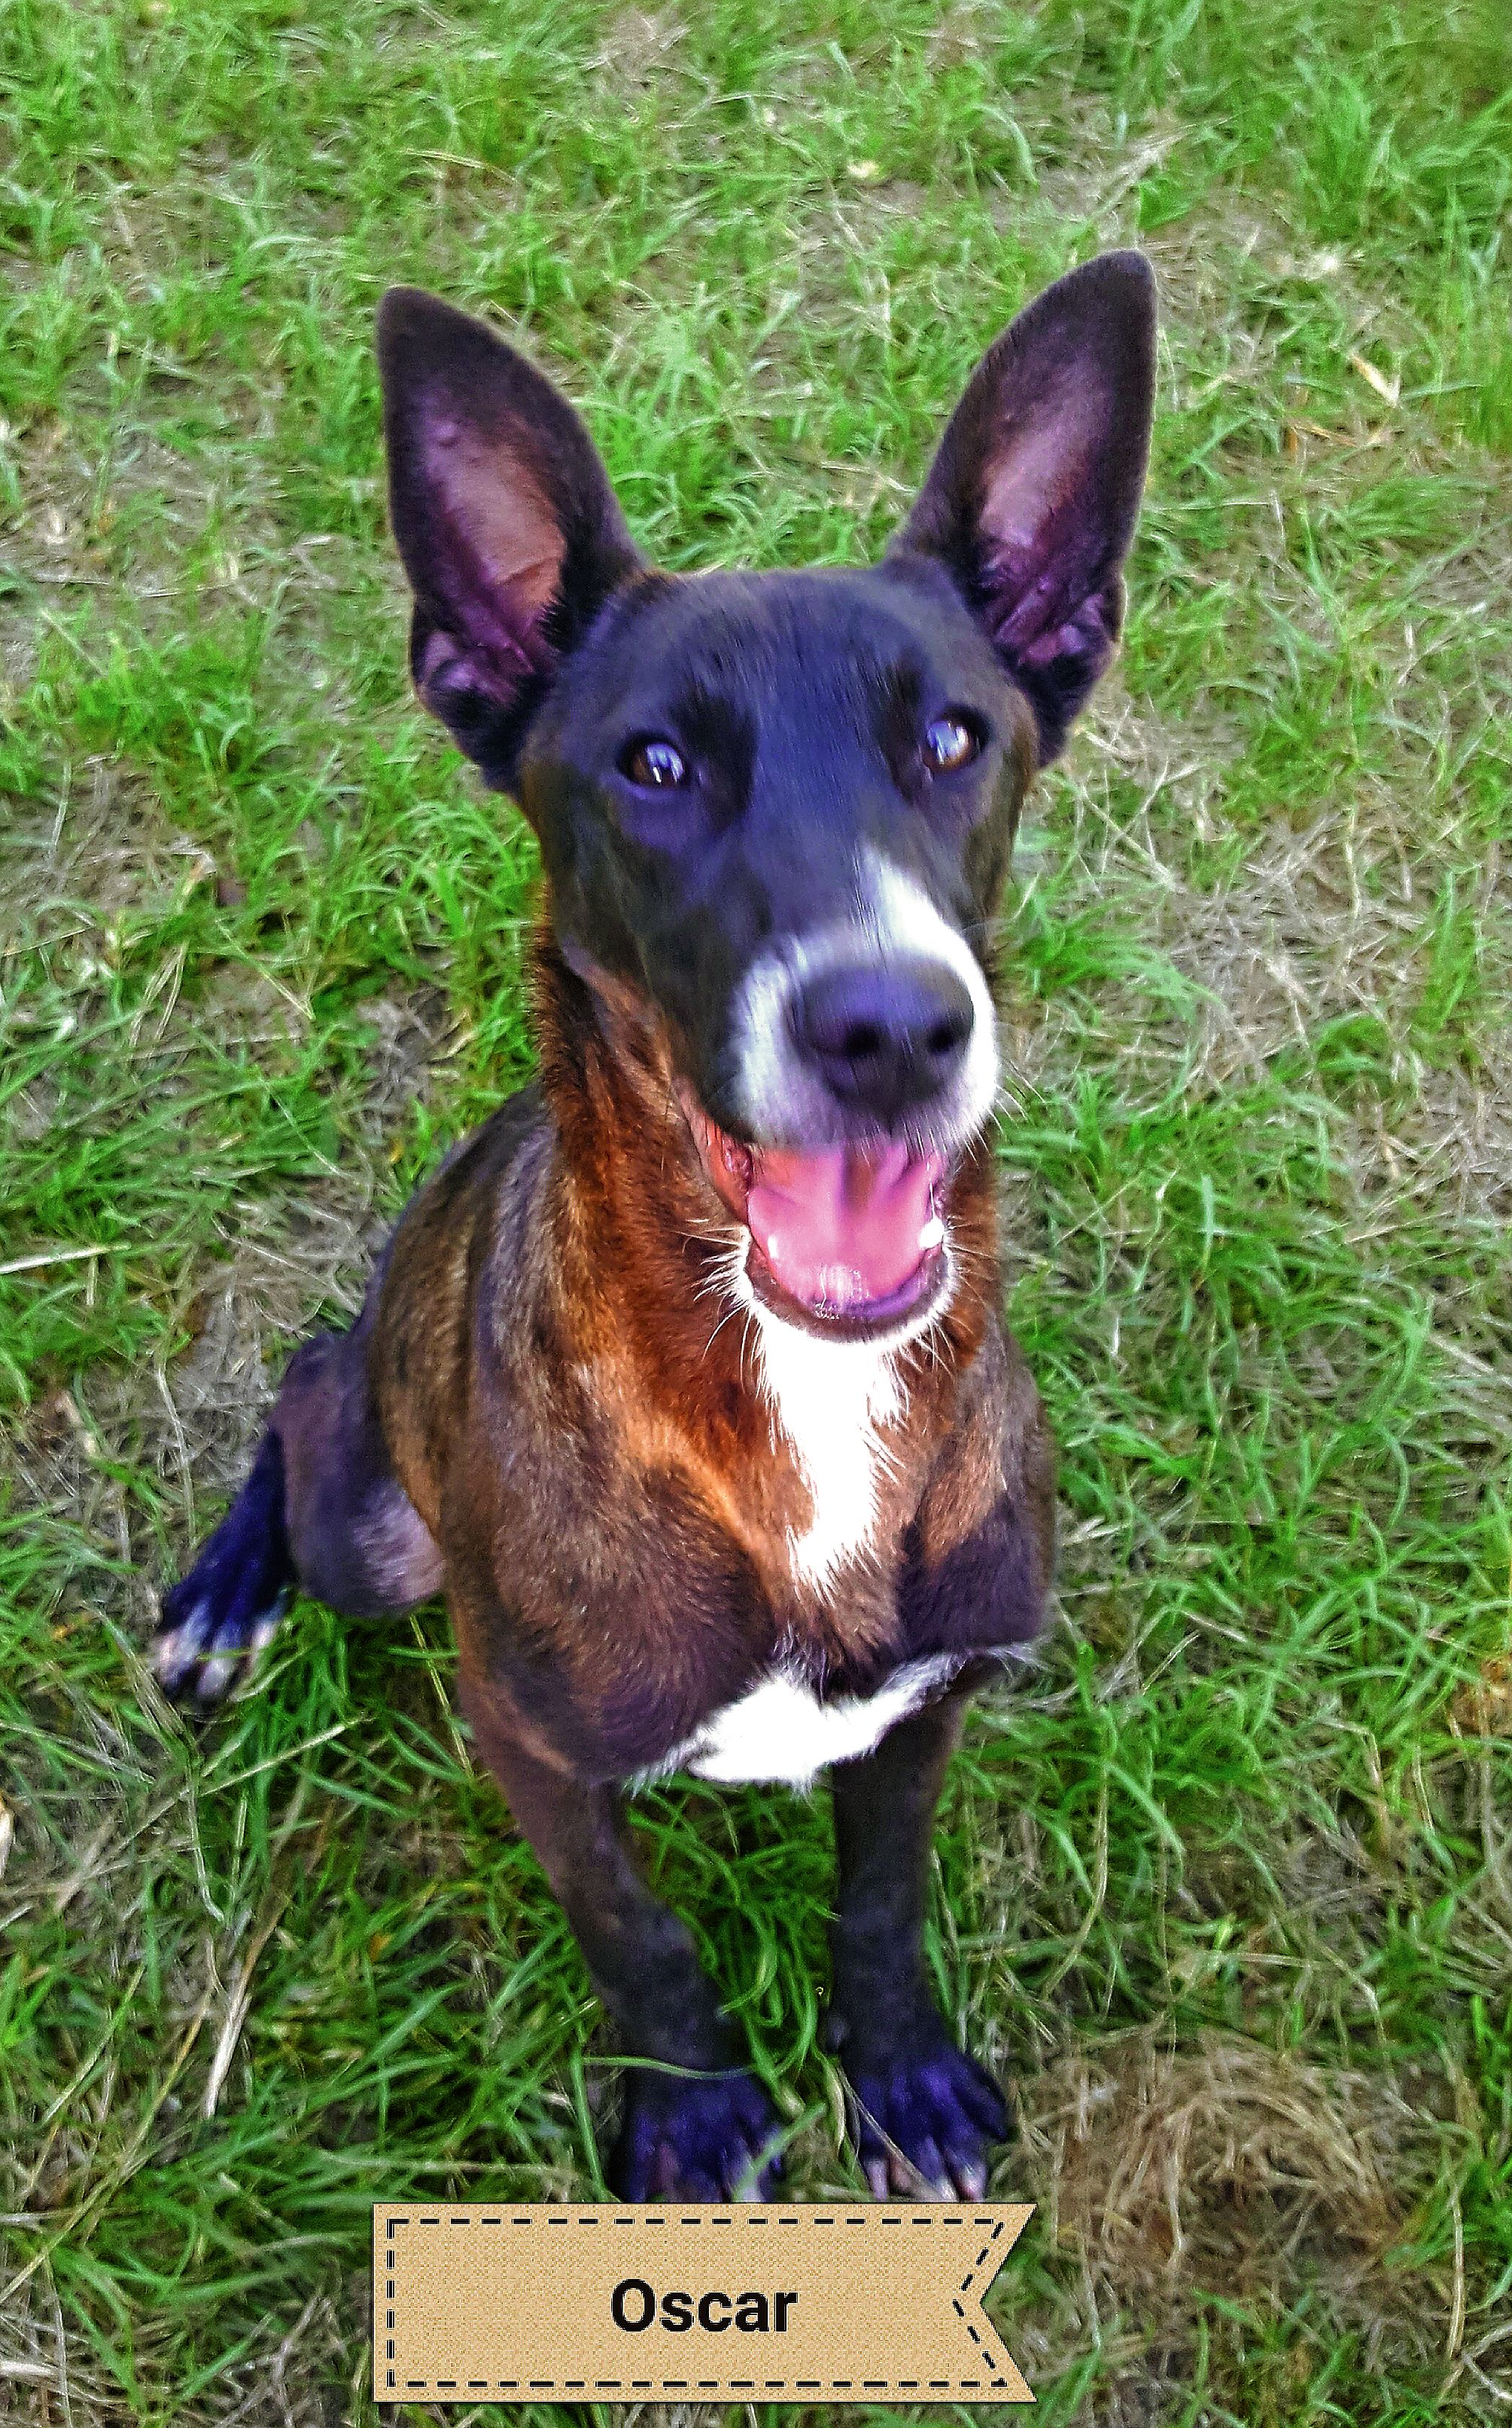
617, 2304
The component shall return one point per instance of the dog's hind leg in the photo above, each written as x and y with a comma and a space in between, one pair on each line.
321, 1512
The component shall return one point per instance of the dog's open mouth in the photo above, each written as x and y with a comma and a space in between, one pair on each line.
851, 1235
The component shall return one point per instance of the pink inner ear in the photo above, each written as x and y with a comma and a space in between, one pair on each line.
1084, 635
507, 545
444, 669
1036, 474
1042, 536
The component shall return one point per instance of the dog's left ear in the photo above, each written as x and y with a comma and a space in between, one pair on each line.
509, 530
1031, 501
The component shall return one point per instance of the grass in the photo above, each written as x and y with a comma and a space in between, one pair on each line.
1226, 1888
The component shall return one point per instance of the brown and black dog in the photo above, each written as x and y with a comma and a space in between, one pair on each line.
685, 1378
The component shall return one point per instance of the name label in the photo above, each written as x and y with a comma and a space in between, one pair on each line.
754, 2302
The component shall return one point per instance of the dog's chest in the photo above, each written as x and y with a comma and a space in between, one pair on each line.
781, 1730
832, 1402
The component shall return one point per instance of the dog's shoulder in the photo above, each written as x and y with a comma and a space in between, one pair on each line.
978, 1558
421, 1307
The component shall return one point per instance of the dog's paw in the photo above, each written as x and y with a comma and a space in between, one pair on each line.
202, 1649
696, 2137
924, 2124
216, 1621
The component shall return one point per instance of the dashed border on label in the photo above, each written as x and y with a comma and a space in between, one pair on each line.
698, 2385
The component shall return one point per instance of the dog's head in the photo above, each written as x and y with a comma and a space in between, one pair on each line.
780, 806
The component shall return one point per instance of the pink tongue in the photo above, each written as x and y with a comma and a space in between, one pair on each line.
841, 1227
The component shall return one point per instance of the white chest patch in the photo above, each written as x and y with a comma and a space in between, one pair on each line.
829, 1396
782, 1731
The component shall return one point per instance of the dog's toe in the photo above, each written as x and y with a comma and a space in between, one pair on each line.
179, 1647
212, 1631
699, 2137
923, 2124
217, 1620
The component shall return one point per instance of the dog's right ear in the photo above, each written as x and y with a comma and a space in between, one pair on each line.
507, 525
1032, 500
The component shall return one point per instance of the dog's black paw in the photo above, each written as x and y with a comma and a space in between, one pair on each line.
218, 1619
923, 2124
696, 2137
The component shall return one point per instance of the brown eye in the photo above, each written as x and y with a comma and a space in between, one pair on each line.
950, 743
654, 763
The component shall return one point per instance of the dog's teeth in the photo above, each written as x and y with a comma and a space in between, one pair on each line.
932, 1233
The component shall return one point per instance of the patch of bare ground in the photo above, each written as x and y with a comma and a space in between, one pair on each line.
1222, 269
965, 30
638, 48
191, 1420
1315, 925
62, 545
108, 857
111, 513
103, 847
291, 1266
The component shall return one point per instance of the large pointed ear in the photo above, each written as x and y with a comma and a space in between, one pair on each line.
509, 531
1031, 501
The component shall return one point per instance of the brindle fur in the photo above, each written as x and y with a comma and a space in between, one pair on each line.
542, 1370
549, 1407
572, 1413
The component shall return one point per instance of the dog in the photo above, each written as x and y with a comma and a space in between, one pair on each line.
685, 1378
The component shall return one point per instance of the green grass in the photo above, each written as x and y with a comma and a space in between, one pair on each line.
1226, 1888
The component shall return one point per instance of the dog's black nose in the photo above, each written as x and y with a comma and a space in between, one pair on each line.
885, 1038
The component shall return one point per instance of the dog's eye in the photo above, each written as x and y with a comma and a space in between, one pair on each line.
653, 762
950, 743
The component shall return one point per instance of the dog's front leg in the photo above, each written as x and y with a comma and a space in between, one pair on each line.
924, 2114
697, 2126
